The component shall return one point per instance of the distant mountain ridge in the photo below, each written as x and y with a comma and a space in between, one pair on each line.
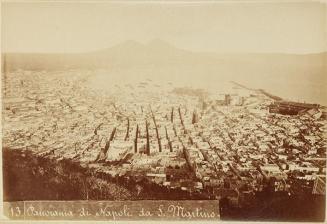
156, 52
286, 75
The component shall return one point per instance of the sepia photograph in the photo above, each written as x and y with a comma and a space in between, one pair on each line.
164, 110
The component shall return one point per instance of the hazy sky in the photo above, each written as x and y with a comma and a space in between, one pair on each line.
298, 27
